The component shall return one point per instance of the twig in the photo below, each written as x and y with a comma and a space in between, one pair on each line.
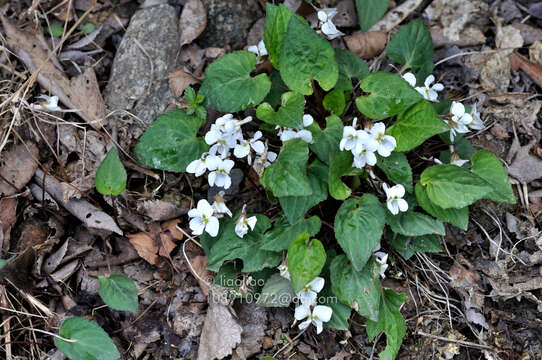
459, 342
289, 343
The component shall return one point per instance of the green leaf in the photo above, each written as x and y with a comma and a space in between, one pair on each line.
370, 11
326, 142
111, 175
295, 207
411, 223
358, 289
306, 259
228, 86
397, 169
350, 67
390, 95
391, 322
305, 56
340, 316
119, 292
412, 46
450, 186
489, 167
287, 176
90, 341
227, 275
229, 246
358, 228
334, 101
278, 87
290, 113
277, 19
88, 28
3, 262
406, 246
340, 164
282, 234
170, 143
416, 125
56, 30
277, 292
457, 217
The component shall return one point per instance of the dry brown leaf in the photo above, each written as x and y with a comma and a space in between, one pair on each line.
508, 37
454, 16
535, 52
221, 333
8, 216
192, 22
180, 80
366, 45
81, 93
17, 166
87, 213
171, 226
214, 52
256, 32
253, 319
145, 247
346, 14
493, 69
199, 265
160, 210
534, 71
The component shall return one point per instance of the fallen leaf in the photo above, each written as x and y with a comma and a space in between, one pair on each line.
17, 166
150, 249
192, 22
454, 16
253, 319
366, 45
87, 213
395, 16
18, 271
221, 333
467, 282
214, 52
526, 167
346, 14
145, 247
80, 94
160, 210
8, 217
529, 33
469, 36
493, 69
535, 52
180, 80
534, 71
199, 265
508, 37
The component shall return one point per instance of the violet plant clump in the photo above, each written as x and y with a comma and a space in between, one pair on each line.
326, 141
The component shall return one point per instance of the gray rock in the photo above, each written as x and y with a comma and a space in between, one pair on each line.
228, 22
139, 77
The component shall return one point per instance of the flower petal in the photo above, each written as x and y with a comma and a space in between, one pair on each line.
212, 226
251, 221
402, 204
307, 298
323, 312
205, 208
317, 284
302, 312
410, 78
197, 226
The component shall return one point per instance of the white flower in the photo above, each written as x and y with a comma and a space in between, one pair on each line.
223, 135
198, 166
327, 27
219, 206
243, 223
220, 172
49, 103
477, 122
364, 157
319, 315
242, 149
308, 295
430, 92
289, 134
307, 120
386, 143
259, 50
283, 269
202, 219
456, 160
410, 78
460, 120
382, 259
263, 163
395, 201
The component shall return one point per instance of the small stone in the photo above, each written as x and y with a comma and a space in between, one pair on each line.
228, 22
139, 77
